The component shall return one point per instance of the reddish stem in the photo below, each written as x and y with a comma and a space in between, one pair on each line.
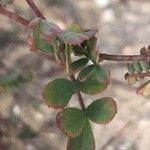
14, 16
124, 57
35, 9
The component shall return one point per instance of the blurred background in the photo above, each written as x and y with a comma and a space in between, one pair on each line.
26, 123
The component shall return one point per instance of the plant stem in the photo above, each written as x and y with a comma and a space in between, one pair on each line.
124, 57
13, 16
102, 56
80, 99
35, 9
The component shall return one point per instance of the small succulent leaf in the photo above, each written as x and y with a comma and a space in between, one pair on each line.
144, 89
102, 110
137, 67
75, 28
78, 64
131, 68
96, 79
71, 38
46, 47
91, 86
71, 121
86, 72
102, 73
58, 92
48, 29
90, 33
145, 65
91, 48
84, 141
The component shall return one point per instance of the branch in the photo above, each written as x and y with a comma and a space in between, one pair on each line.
124, 57
35, 9
80, 99
14, 16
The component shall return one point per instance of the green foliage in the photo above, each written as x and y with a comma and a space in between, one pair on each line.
58, 92
102, 110
92, 79
84, 141
97, 79
71, 121
78, 65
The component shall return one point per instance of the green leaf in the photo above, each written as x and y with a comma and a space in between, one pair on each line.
78, 64
144, 89
131, 68
40, 43
145, 65
86, 72
96, 79
58, 92
48, 29
85, 141
71, 121
75, 28
137, 67
102, 110
71, 38
74, 38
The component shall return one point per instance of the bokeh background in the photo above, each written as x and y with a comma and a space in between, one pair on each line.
26, 123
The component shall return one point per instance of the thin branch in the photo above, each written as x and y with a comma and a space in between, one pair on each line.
124, 57
80, 99
14, 16
35, 9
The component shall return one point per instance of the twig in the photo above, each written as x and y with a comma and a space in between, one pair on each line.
80, 99
35, 9
124, 57
14, 16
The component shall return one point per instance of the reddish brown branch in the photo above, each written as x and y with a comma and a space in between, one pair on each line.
14, 16
35, 9
80, 99
124, 57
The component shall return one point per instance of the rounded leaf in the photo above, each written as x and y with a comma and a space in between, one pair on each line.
78, 64
58, 92
102, 110
84, 141
71, 121
96, 79
145, 65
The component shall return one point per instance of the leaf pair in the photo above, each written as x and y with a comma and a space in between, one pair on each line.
72, 120
75, 124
